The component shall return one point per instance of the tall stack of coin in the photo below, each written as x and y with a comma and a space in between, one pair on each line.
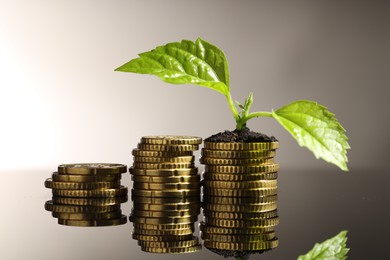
87, 194
165, 194
239, 197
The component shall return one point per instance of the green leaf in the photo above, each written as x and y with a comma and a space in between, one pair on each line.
185, 62
314, 127
331, 249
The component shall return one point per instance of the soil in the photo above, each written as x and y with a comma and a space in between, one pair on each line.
230, 253
243, 136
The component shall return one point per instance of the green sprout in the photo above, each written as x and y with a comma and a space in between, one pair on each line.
203, 64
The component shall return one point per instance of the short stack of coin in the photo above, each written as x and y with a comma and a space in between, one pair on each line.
239, 197
165, 194
87, 194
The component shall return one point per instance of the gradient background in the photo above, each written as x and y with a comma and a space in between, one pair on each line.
62, 102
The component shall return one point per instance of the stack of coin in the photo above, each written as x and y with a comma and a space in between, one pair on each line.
87, 194
165, 194
239, 197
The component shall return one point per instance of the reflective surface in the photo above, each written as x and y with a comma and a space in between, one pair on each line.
312, 206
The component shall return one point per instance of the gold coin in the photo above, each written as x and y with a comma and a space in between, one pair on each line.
166, 193
247, 208
171, 140
240, 193
146, 238
151, 232
167, 207
219, 161
178, 159
164, 227
240, 200
212, 176
239, 238
166, 200
49, 183
169, 179
50, 206
166, 220
231, 223
163, 165
172, 250
243, 246
92, 168
93, 223
233, 231
241, 146
165, 214
168, 148
164, 173
164, 244
242, 169
240, 184
87, 216
166, 186
167, 154
238, 154
85, 178
122, 191
89, 201
240, 215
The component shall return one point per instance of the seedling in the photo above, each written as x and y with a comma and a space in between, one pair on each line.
203, 64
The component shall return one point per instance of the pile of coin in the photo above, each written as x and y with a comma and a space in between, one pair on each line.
87, 194
165, 194
239, 197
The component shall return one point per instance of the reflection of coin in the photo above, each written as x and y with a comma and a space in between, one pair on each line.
171, 250
85, 178
138, 152
240, 185
179, 159
49, 206
212, 176
80, 185
238, 154
93, 223
169, 179
173, 148
166, 220
164, 173
89, 201
171, 140
152, 232
166, 207
240, 215
238, 238
161, 238
240, 193
163, 227
229, 223
122, 191
233, 231
241, 146
240, 208
165, 214
243, 169
261, 245
88, 216
218, 161
166, 200
92, 168
166, 186
183, 243
162, 165
240, 200
166, 193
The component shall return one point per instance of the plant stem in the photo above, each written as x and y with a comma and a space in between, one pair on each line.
242, 121
232, 106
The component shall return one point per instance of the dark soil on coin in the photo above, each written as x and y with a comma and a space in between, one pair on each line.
243, 136
230, 253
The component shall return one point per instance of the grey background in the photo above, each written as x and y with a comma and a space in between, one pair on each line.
61, 102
